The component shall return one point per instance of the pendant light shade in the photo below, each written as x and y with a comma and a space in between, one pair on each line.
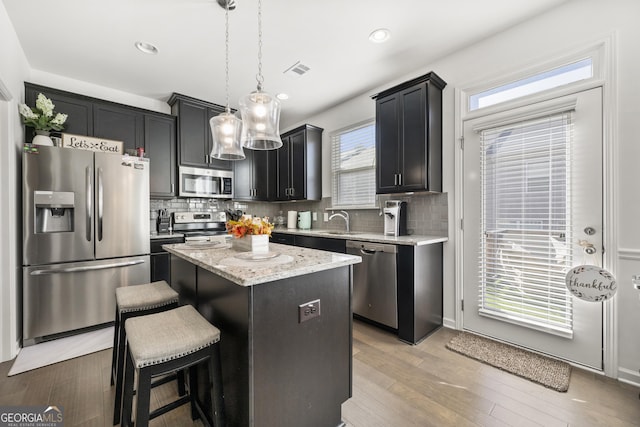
226, 129
260, 111
261, 119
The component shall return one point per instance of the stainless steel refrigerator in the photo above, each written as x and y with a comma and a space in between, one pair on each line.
86, 232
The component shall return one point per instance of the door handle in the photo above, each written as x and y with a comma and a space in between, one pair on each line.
100, 204
589, 231
85, 268
368, 252
89, 203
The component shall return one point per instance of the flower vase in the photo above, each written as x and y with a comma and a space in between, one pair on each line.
256, 243
42, 138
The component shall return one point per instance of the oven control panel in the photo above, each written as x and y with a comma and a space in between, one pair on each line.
190, 217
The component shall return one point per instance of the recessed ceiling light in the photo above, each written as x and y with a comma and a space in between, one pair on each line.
146, 48
380, 35
282, 96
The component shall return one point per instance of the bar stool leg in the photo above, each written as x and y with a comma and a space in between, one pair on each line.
193, 391
116, 331
122, 339
143, 397
128, 392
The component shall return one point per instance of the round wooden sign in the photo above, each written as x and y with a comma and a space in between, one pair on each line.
591, 283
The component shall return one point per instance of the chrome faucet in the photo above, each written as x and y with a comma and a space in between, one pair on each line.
342, 214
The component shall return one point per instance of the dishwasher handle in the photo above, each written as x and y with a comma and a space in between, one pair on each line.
369, 248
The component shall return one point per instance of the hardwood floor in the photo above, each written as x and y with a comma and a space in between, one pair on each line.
394, 384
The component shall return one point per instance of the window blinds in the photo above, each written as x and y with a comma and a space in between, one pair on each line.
526, 213
353, 166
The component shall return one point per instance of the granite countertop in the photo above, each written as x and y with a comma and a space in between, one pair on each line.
412, 240
291, 261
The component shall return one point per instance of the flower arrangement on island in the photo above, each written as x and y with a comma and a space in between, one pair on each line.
42, 117
249, 226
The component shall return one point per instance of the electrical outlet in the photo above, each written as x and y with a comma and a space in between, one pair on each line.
326, 217
308, 310
315, 216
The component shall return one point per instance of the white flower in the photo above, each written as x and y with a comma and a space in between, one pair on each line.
27, 112
59, 119
45, 105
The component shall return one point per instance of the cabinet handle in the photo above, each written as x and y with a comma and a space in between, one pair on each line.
395, 179
206, 158
286, 191
292, 191
399, 179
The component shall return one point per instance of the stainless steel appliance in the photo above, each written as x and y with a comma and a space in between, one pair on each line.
375, 286
395, 218
200, 226
208, 183
85, 231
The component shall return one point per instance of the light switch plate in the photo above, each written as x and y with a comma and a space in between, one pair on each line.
314, 216
326, 217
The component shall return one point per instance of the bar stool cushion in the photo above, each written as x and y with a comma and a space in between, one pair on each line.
145, 297
168, 335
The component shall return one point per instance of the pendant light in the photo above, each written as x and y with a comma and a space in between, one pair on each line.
226, 128
260, 111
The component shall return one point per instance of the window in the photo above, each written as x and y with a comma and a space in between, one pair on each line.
556, 77
526, 222
353, 163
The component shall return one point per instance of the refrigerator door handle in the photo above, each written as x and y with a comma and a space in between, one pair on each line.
100, 204
89, 195
85, 268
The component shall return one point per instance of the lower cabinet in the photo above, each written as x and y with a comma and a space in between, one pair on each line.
161, 259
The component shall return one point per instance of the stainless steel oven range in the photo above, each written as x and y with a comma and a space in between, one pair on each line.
200, 226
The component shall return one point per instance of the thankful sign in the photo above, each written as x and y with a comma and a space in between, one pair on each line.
591, 283
91, 143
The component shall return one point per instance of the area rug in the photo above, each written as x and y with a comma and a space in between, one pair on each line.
543, 370
50, 352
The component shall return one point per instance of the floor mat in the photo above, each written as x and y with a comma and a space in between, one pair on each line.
543, 370
50, 352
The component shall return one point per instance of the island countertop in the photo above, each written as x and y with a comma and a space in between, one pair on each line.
290, 261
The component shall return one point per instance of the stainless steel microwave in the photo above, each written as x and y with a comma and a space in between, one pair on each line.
207, 183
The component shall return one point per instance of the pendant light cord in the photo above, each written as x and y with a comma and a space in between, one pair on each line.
226, 47
259, 77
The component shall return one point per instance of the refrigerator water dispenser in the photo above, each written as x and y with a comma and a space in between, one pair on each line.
54, 211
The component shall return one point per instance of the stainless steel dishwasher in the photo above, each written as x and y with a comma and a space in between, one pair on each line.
375, 285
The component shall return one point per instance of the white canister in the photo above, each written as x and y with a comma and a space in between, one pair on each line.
292, 219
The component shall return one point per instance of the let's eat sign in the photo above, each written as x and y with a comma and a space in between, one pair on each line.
91, 143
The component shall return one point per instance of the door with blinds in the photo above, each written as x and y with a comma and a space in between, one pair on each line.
532, 186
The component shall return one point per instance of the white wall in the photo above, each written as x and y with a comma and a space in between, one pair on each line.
14, 69
561, 31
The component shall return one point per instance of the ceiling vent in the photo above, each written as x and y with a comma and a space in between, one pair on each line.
296, 70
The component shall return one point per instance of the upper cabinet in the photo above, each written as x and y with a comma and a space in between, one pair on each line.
409, 136
194, 133
251, 178
78, 109
135, 127
297, 165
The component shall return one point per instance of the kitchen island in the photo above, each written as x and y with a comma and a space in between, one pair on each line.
285, 325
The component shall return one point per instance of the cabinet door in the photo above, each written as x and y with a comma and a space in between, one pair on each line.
282, 170
413, 161
120, 124
387, 144
160, 146
79, 111
261, 179
215, 163
242, 177
298, 166
193, 139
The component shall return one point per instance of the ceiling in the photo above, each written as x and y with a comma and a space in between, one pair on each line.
93, 41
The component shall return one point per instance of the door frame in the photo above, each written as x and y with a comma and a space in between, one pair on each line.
605, 60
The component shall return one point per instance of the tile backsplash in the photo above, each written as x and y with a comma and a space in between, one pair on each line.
427, 213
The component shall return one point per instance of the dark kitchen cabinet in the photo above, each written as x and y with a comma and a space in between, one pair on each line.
78, 109
160, 146
119, 123
409, 136
298, 165
161, 259
194, 133
251, 176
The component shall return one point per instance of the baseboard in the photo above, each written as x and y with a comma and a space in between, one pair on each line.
629, 376
449, 323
